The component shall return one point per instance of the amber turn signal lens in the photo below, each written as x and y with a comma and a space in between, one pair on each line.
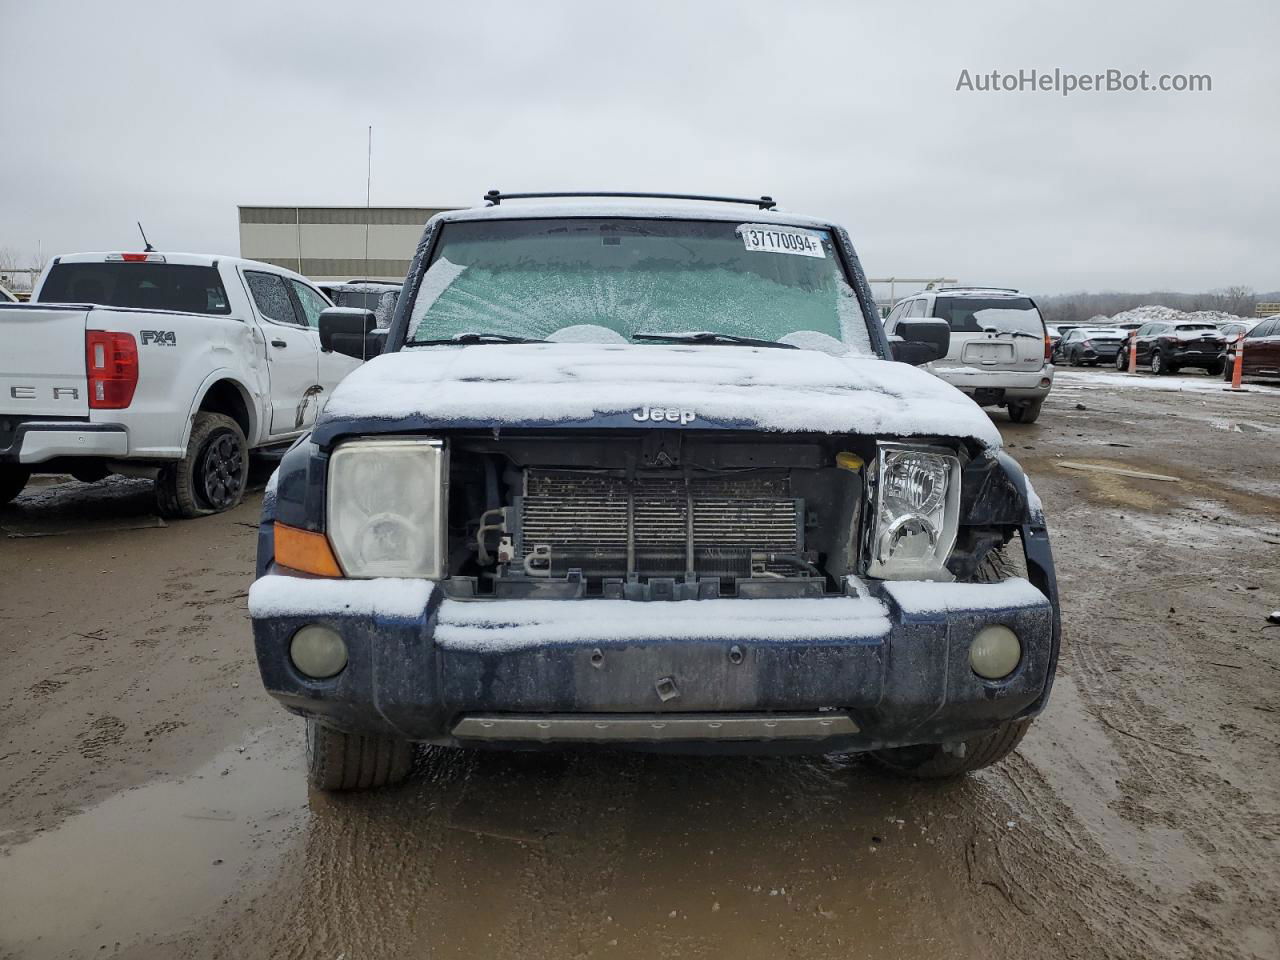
305, 551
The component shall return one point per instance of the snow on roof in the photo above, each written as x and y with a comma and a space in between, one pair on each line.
749, 388
668, 210
181, 259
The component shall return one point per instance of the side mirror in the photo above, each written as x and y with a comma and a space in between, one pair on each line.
351, 331
920, 341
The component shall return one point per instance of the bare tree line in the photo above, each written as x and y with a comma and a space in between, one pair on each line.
15, 267
1080, 307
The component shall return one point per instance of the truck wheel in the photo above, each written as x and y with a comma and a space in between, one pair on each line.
211, 477
12, 479
355, 761
1028, 411
931, 761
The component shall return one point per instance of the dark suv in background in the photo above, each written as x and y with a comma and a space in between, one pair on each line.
1167, 347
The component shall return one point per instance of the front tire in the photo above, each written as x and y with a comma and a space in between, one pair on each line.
1217, 370
931, 761
211, 477
1073, 358
355, 761
1028, 411
1122, 361
12, 479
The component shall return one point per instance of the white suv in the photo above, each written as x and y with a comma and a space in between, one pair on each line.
999, 351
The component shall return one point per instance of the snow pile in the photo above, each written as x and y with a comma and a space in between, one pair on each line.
279, 596
917, 597
1149, 314
516, 624
744, 387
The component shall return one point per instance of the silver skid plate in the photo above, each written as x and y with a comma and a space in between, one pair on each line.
649, 726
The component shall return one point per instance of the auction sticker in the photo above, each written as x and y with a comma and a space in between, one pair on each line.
765, 238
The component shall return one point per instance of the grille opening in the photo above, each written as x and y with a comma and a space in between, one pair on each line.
573, 516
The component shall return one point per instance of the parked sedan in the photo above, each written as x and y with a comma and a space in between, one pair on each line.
1168, 346
1236, 329
1261, 351
1092, 345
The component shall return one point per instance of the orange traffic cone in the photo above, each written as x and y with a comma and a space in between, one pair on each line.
1237, 366
1133, 351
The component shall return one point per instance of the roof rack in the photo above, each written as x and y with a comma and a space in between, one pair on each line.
976, 286
495, 197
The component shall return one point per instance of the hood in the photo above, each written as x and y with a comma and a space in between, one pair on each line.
668, 386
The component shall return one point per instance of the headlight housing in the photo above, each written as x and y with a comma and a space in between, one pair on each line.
915, 512
386, 507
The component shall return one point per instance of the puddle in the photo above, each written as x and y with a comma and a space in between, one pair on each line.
152, 861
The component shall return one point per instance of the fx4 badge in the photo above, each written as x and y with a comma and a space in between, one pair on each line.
163, 338
664, 415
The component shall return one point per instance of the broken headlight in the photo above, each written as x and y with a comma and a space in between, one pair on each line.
386, 505
915, 508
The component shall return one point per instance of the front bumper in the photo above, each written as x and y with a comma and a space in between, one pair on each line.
887, 665
38, 441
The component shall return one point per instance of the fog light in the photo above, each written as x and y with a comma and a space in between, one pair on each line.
318, 651
995, 652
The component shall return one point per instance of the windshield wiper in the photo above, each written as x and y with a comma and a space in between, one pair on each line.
705, 336
476, 336
1013, 333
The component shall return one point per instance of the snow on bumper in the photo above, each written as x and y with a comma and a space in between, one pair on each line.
894, 658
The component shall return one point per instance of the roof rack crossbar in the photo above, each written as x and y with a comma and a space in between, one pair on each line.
494, 197
975, 286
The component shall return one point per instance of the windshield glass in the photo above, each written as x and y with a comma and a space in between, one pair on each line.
1001, 314
1195, 326
603, 280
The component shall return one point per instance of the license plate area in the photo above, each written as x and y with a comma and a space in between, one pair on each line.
987, 353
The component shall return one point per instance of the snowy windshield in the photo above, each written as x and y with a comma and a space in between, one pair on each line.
604, 280
1001, 314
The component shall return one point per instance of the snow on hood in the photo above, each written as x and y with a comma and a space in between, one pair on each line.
740, 387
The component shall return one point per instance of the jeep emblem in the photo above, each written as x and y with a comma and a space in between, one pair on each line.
664, 415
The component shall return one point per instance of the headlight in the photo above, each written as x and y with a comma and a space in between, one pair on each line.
915, 512
386, 508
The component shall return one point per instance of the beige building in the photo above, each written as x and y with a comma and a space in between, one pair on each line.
328, 243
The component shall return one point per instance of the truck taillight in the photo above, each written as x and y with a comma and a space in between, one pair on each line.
111, 365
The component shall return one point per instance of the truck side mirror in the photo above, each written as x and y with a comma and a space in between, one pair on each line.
351, 331
920, 341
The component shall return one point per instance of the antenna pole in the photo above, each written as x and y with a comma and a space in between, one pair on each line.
368, 194
147, 247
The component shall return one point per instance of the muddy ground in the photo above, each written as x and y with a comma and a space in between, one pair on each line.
152, 800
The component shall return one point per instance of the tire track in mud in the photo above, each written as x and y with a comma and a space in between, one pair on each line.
1131, 647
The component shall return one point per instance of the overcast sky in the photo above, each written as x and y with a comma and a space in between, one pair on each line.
174, 113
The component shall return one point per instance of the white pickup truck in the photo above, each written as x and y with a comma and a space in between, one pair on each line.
168, 365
